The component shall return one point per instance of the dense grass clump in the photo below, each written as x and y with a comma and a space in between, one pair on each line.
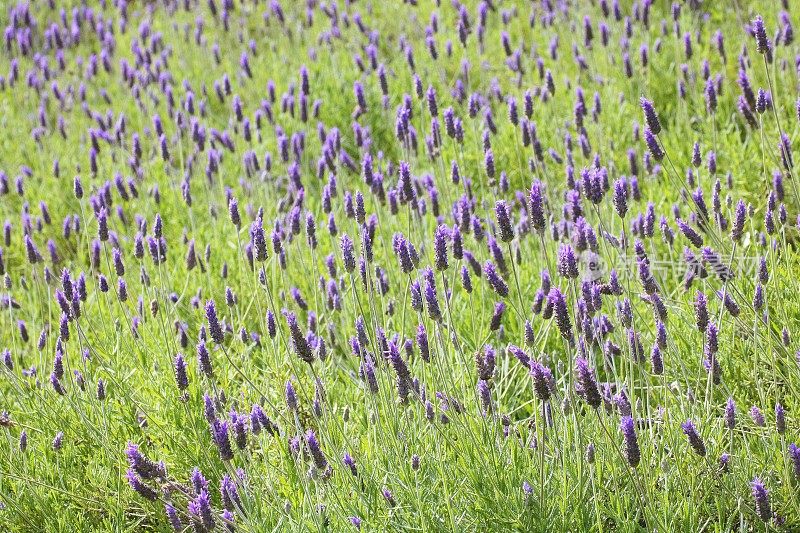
496, 266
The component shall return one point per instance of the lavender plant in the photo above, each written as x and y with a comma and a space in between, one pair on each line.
435, 266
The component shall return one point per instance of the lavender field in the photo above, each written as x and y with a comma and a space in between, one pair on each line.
399, 266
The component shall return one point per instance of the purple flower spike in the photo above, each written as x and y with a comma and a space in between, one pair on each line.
200, 509
536, 206
652, 144
316, 452
760, 33
558, 302
567, 262
695, 440
761, 500
541, 377
181, 378
650, 116
221, 438
299, 342
440, 239
730, 414
348, 253
291, 397
431, 298
757, 416
504, 221
214, 327
794, 457
630, 450
780, 419
140, 487
489, 163
496, 282
586, 384
620, 197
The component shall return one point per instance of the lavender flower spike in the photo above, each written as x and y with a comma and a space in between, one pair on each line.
585, 384
760, 33
695, 440
630, 450
214, 327
496, 282
761, 500
440, 238
650, 116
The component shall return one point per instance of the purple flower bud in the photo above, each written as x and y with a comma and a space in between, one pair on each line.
489, 163
422, 342
233, 210
431, 298
485, 395
586, 385
701, 312
738, 221
652, 145
630, 450
794, 457
466, 279
348, 253
558, 303
316, 452
440, 247
173, 518
695, 238
299, 341
757, 416
401, 369
761, 496
657, 360
730, 414
780, 419
367, 372
711, 96
387, 495
78, 188
214, 327
139, 486
761, 101
620, 197
650, 116
229, 494
350, 463
358, 91
122, 289
785, 149
536, 206
204, 360
141, 465
496, 282
567, 262
760, 33
433, 107
31, 251
291, 397
541, 377
695, 441
696, 154
497, 316
181, 378
200, 510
